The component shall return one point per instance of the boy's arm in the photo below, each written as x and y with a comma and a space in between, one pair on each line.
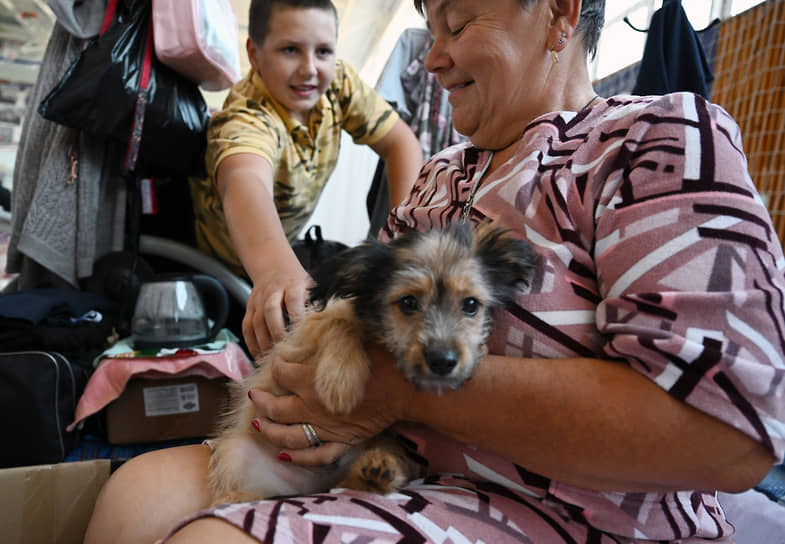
245, 184
402, 154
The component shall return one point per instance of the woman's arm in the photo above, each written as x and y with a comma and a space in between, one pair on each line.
402, 155
593, 424
279, 281
586, 422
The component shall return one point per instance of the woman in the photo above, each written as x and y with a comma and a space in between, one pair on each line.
641, 366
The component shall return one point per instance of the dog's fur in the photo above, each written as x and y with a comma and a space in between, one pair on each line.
428, 297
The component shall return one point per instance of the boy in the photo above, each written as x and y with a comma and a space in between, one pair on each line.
272, 148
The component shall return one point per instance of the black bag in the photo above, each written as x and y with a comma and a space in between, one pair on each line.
313, 249
116, 88
38, 395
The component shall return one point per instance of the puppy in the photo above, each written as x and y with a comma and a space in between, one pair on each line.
428, 297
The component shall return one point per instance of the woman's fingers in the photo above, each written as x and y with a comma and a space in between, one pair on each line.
327, 453
280, 419
293, 439
282, 410
290, 437
295, 377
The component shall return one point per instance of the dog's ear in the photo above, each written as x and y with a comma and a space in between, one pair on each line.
508, 261
354, 272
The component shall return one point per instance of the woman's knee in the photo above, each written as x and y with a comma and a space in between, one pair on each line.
148, 494
211, 530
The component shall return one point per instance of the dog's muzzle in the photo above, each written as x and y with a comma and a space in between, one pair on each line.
441, 361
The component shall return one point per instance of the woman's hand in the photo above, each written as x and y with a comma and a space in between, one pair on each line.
384, 403
277, 291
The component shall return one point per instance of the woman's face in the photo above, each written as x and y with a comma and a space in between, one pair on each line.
492, 57
297, 59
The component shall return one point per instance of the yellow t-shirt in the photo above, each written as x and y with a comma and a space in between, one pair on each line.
302, 157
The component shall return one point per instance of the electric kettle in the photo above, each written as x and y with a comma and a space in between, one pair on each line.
172, 311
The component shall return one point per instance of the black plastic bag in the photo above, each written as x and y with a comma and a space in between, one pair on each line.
117, 88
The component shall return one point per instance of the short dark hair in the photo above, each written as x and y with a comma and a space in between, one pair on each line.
589, 25
260, 11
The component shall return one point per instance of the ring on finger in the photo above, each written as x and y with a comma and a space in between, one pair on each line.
311, 436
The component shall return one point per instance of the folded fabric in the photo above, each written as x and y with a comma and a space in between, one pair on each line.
113, 373
124, 348
75, 323
52, 305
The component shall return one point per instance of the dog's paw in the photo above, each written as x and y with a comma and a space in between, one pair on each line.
377, 471
340, 386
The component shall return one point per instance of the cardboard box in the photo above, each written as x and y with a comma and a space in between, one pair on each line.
49, 504
154, 410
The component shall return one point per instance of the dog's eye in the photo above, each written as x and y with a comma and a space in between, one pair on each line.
409, 304
470, 306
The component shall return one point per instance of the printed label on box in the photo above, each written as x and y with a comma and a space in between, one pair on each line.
171, 399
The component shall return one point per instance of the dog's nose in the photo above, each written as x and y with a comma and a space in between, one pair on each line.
441, 361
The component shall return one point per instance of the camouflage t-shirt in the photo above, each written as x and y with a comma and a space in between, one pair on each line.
302, 157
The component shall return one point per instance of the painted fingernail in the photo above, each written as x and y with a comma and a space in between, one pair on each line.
255, 425
250, 396
283, 456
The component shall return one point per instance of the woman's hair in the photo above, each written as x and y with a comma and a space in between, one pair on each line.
260, 11
589, 25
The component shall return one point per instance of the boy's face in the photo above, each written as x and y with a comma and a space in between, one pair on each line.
297, 59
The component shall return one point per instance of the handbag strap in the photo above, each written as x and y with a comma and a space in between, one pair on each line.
148, 55
135, 139
315, 238
111, 8
73, 153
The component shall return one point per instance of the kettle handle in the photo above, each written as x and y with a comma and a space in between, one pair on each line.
214, 294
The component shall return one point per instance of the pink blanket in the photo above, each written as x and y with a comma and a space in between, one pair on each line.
109, 379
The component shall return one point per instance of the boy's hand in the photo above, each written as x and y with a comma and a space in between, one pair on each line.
279, 290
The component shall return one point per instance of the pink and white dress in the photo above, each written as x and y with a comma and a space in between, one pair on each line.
655, 251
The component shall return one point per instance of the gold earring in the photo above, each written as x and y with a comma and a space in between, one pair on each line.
554, 56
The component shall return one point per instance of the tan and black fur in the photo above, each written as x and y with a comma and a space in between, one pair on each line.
428, 298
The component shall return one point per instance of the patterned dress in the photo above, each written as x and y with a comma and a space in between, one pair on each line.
654, 250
